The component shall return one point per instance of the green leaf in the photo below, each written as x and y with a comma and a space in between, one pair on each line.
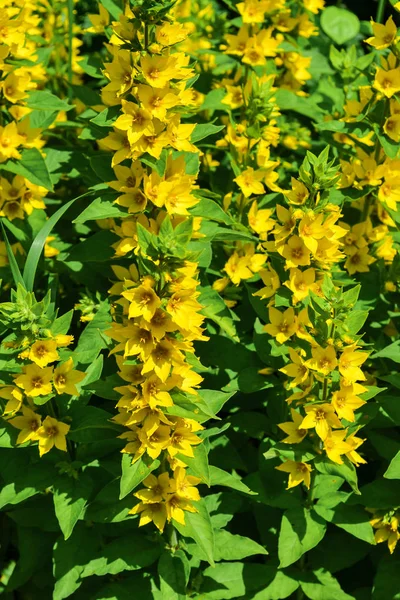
301, 530
209, 209
106, 117
214, 308
353, 519
128, 553
288, 100
16, 273
35, 251
393, 470
174, 571
392, 351
198, 464
133, 474
32, 166
198, 526
321, 585
339, 24
112, 7
220, 477
347, 471
91, 424
102, 207
70, 498
202, 131
386, 582
235, 547
44, 100
91, 340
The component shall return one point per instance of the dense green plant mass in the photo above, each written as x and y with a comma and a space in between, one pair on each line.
199, 206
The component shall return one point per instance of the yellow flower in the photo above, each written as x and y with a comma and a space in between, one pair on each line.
349, 365
157, 101
311, 230
184, 309
183, 438
323, 360
52, 433
155, 512
156, 489
387, 82
159, 70
176, 505
294, 431
9, 141
43, 352
35, 381
298, 194
314, 6
345, 402
296, 369
322, 417
299, 472
249, 181
29, 423
65, 378
252, 11
384, 35
300, 283
143, 301
358, 260
260, 220
392, 127
283, 325
352, 455
296, 252
271, 283
184, 485
335, 446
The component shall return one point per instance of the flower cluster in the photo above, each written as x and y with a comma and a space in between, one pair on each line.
156, 312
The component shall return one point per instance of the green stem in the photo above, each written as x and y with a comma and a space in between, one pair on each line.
380, 11
146, 36
172, 536
70, 43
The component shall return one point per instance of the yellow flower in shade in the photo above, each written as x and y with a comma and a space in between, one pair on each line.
323, 360
29, 423
387, 82
353, 455
335, 446
65, 378
156, 489
184, 485
295, 433
298, 194
234, 97
143, 301
43, 352
249, 181
14, 397
296, 253
345, 402
282, 325
384, 35
296, 369
386, 525
271, 283
100, 21
52, 433
155, 512
176, 505
392, 127
349, 365
389, 191
35, 381
321, 417
358, 260
299, 472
